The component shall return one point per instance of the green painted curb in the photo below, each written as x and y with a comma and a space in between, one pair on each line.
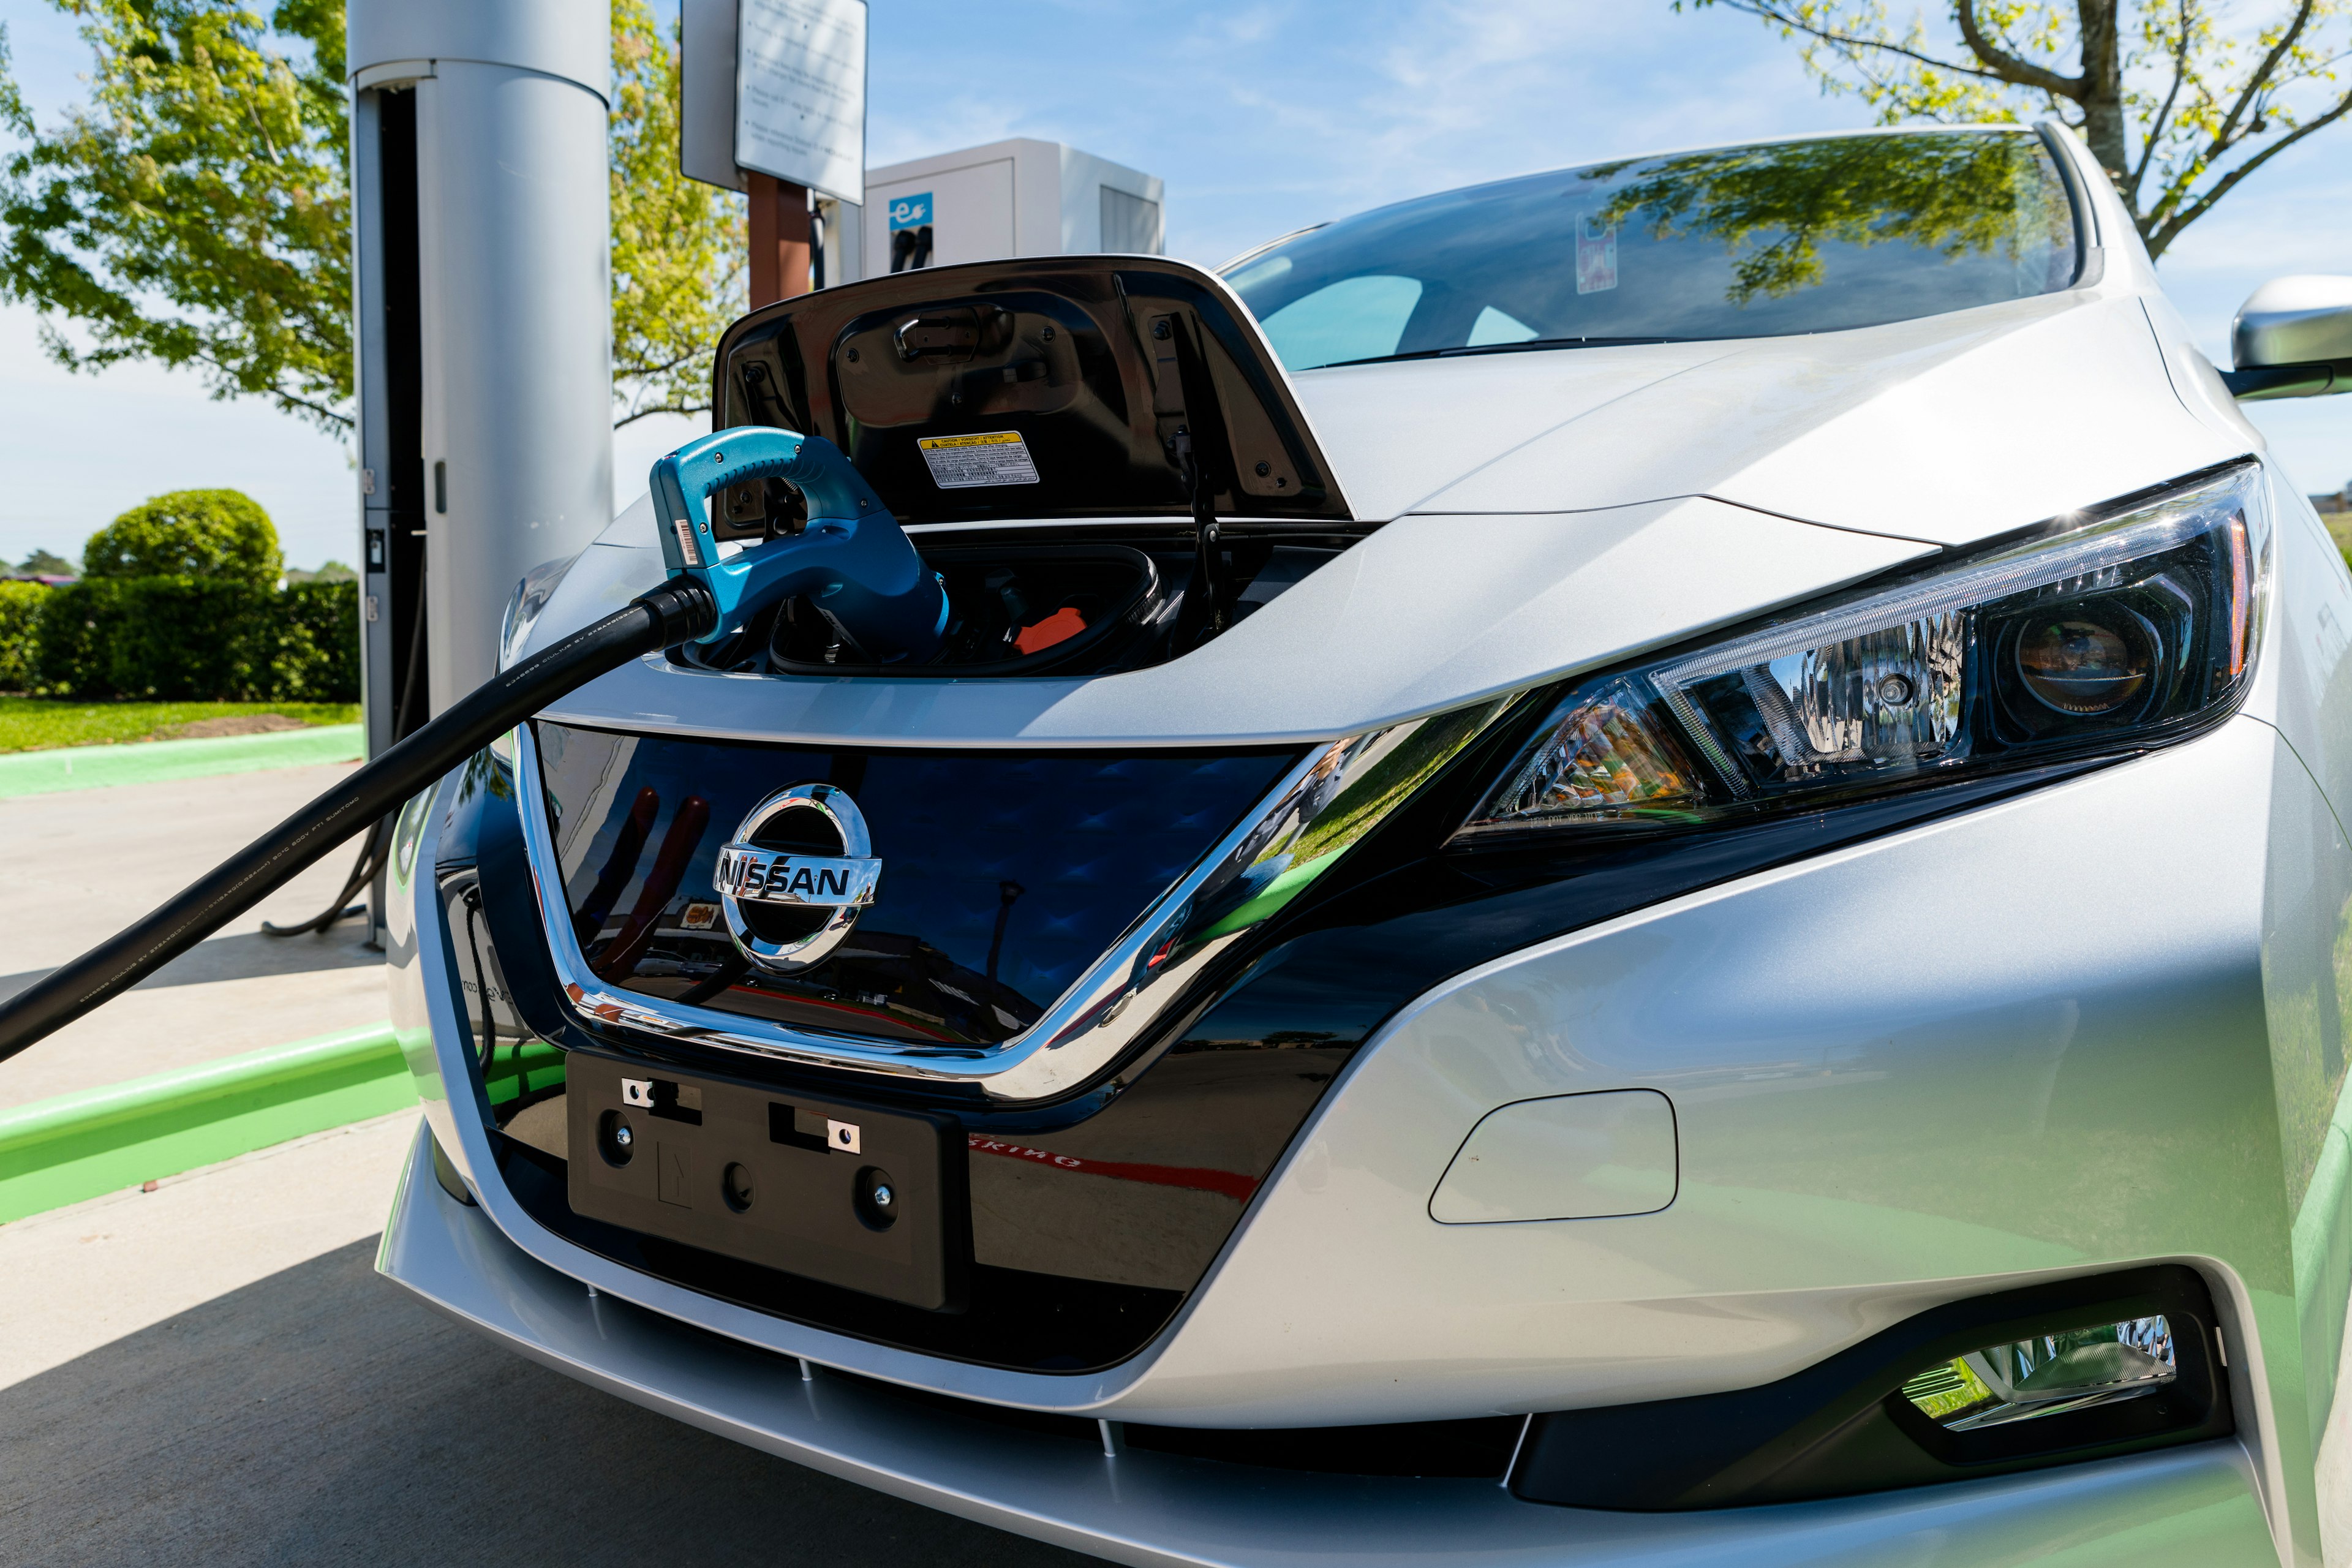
154, 762
75, 1146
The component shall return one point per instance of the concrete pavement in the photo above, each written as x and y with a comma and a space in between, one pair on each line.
81, 864
214, 1373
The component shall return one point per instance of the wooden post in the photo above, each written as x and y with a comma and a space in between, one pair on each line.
780, 240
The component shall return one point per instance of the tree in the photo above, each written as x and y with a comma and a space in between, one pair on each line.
2177, 107
197, 210
214, 535
41, 564
678, 246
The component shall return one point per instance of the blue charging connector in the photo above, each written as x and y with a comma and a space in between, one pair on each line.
853, 558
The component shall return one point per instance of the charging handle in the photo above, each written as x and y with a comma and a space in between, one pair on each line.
852, 556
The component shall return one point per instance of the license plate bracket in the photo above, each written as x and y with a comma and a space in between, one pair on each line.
830, 1190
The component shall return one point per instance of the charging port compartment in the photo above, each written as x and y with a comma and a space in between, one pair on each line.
1020, 606
1101, 457
1014, 610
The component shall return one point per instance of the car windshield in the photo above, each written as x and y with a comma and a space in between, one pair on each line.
1733, 242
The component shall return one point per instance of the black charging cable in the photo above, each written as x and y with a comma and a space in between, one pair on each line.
678, 611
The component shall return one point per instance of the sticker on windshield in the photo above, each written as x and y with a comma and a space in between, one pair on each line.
1596, 256
962, 462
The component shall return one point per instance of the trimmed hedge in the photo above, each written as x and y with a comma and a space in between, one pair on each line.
20, 615
182, 639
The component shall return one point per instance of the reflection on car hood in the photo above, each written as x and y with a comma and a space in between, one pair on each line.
1948, 428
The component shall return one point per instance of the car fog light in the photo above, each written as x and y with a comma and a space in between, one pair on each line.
2083, 666
2023, 1379
2121, 1362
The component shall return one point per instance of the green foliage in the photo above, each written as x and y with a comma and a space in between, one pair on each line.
197, 211
41, 564
181, 638
321, 635
678, 246
1951, 193
20, 619
216, 535
2179, 100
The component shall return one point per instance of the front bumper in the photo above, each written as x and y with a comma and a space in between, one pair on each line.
1900, 1080
2193, 1508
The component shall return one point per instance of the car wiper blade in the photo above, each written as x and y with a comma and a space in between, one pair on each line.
1503, 349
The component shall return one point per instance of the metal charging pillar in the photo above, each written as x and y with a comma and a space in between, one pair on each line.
483, 316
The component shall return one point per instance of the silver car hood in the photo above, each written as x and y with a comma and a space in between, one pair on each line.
1950, 429
1548, 513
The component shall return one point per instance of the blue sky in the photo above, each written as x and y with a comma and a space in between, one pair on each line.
1261, 118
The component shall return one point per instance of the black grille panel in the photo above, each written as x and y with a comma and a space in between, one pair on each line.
1003, 875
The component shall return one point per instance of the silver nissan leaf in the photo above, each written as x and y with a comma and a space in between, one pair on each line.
1637, 866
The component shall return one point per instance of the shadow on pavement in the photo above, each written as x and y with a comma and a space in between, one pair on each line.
323, 1416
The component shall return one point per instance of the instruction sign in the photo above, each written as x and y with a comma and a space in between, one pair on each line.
800, 93
964, 462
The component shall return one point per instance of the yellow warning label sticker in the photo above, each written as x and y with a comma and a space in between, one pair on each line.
963, 462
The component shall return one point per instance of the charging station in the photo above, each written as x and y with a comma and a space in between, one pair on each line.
1021, 197
483, 305
1018, 198
482, 302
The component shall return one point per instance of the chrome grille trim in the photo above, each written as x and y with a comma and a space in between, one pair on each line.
1251, 874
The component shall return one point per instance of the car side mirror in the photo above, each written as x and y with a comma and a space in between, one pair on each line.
2292, 338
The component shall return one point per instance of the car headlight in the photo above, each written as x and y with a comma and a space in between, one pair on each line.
2113, 632
531, 594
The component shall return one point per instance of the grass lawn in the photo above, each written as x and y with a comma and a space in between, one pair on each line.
34, 723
